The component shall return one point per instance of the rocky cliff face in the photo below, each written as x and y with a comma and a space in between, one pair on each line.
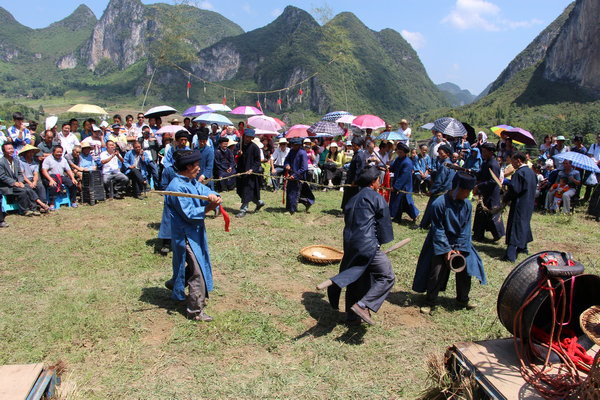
575, 54
535, 51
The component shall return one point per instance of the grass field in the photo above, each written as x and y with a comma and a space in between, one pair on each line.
85, 286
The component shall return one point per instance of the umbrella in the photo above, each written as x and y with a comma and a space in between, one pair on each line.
428, 125
368, 121
471, 136
194, 111
159, 111
264, 132
449, 126
172, 129
325, 127
297, 131
213, 118
264, 122
500, 128
346, 119
334, 116
87, 109
392, 135
280, 122
219, 107
578, 160
520, 135
246, 110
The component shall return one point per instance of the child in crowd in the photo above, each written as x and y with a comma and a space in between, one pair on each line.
558, 189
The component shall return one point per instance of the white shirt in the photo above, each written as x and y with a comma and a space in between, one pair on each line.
112, 165
68, 142
279, 156
594, 151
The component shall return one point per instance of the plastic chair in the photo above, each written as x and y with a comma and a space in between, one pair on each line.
6, 206
60, 199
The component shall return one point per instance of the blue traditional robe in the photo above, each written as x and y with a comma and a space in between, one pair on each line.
402, 169
129, 160
187, 217
367, 227
450, 230
295, 190
521, 191
165, 223
473, 163
357, 164
490, 194
442, 178
206, 163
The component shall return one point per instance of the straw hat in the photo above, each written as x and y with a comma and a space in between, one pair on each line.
85, 145
590, 323
258, 143
231, 143
27, 148
282, 140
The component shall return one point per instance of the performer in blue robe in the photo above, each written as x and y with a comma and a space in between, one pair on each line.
450, 233
164, 232
207, 161
489, 190
248, 185
521, 194
181, 143
358, 162
365, 270
189, 241
402, 168
473, 161
296, 165
442, 177
224, 165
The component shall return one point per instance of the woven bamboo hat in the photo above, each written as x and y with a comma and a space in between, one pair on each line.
590, 323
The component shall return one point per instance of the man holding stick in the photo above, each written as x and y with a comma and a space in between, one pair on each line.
188, 235
488, 186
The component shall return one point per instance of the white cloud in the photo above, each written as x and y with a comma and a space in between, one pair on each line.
482, 14
206, 5
246, 7
416, 39
276, 12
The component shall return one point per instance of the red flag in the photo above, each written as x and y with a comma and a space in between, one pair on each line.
225, 217
189, 85
279, 100
224, 98
300, 91
258, 104
385, 188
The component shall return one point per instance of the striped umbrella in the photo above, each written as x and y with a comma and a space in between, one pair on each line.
194, 111
346, 119
334, 115
246, 110
578, 160
326, 128
449, 126
500, 128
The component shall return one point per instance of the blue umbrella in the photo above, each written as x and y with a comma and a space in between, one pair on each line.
334, 115
578, 160
326, 128
428, 125
213, 118
392, 135
449, 126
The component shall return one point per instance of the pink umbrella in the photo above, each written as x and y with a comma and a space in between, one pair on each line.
246, 110
297, 131
264, 122
280, 122
172, 129
265, 132
368, 121
346, 119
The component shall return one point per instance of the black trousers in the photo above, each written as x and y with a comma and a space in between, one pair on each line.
26, 198
52, 190
439, 273
137, 181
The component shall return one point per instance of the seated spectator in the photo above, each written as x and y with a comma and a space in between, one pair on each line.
136, 164
46, 146
96, 142
421, 171
276, 162
18, 134
67, 139
558, 189
333, 166
573, 179
12, 183
150, 147
118, 135
314, 172
86, 160
224, 165
74, 161
111, 161
31, 171
57, 175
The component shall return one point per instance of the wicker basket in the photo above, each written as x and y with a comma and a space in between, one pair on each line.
321, 254
590, 324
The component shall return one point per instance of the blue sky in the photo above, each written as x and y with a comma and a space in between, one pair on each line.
467, 42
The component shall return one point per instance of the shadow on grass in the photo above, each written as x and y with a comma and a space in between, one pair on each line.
155, 243
405, 299
334, 211
327, 319
161, 297
154, 225
491, 249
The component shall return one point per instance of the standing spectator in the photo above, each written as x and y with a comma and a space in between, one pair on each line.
401, 199
248, 185
421, 168
405, 130
558, 148
207, 161
36, 138
74, 125
96, 141
442, 178
224, 165
87, 128
481, 139
18, 134
296, 165
139, 124
67, 139
12, 183
489, 189
57, 174
357, 164
150, 147
131, 132
314, 172
521, 194
136, 166
546, 146
436, 142
119, 137
31, 171
111, 171
277, 159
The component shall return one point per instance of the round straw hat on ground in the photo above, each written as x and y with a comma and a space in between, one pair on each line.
590, 324
322, 254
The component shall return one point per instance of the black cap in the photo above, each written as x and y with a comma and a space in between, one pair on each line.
464, 181
223, 139
202, 135
357, 140
367, 176
182, 133
489, 146
296, 141
446, 148
403, 147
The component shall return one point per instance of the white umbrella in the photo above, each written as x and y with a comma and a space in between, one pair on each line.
159, 111
219, 107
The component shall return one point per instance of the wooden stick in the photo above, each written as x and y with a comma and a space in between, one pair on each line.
179, 194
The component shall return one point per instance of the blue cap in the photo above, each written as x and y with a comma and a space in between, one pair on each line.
249, 132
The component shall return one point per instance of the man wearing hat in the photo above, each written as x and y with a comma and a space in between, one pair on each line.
224, 165
365, 269
208, 159
31, 172
188, 235
18, 134
558, 148
12, 183
277, 160
296, 165
248, 162
358, 162
441, 180
488, 187
450, 234
405, 130
521, 195
402, 169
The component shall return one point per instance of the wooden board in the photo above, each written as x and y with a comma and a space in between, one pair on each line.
16, 381
496, 361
